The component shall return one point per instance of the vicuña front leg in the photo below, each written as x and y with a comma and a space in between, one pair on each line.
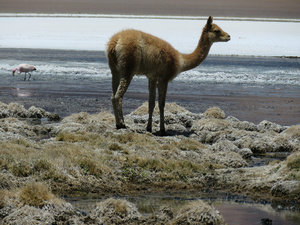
162, 91
152, 93
117, 102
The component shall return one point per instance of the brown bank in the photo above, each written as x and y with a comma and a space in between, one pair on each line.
238, 8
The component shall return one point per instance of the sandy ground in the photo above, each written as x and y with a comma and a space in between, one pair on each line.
237, 8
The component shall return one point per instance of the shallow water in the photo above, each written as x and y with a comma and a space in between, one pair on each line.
66, 82
236, 210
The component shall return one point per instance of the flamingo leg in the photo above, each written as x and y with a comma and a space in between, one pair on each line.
25, 77
29, 76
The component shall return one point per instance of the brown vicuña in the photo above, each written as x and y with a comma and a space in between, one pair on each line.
133, 52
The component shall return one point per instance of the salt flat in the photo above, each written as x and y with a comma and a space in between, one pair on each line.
258, 37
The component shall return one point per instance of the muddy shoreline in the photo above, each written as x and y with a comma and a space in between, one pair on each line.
65, 93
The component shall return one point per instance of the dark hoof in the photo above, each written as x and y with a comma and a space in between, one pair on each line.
162, 133
121, 126
149, 129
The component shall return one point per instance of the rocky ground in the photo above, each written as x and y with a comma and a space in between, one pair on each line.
43, 156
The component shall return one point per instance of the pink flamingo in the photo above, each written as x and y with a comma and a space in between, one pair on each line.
24, 68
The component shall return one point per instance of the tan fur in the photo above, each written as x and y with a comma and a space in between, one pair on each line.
133, 52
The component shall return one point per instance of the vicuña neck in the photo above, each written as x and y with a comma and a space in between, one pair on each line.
194, 59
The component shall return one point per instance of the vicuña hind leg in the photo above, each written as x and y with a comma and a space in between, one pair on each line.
152, 93
162, 91
115, 85
117, 101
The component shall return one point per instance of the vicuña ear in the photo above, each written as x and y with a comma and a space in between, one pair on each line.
209, 22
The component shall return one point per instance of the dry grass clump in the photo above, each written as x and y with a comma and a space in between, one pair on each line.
106, 117
16, 146
115, 211
21, 168
115, 147
136, 167
22, 142
59, 162
2, 196
293, 165
85, 118
8, 198
188, 144
171, 107
74, 137
198, 212
215, 112
81, 117
120, 206
14, 157
293, 161
17, 109
36, 194
210, 124
293, 132
94, 166
68, 157
42, 165
23, 161
134, 140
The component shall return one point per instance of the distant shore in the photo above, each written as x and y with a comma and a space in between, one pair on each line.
236, 8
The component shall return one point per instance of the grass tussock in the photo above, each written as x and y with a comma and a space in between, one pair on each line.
3, 195
33, 194
42, 165
132, 138
293, 165
215, 112
293, 132
198, 212
36, 194
120, 206
22, 142
189, 144
93, 166
115, 211
213, 124
162, 169
170, 107
72, 137
293, 161
22, 169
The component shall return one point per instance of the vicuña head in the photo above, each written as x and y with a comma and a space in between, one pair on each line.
133, 52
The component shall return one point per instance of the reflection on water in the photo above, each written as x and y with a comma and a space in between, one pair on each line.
20, 92
249, 214
235, 210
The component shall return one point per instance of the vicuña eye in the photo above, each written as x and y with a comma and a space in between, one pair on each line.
217, 31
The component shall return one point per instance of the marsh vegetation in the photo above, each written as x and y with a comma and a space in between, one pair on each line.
84, 155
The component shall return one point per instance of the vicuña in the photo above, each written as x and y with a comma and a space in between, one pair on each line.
133, 52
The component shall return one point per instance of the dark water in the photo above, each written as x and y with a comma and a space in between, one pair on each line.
236, 210
66, 82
